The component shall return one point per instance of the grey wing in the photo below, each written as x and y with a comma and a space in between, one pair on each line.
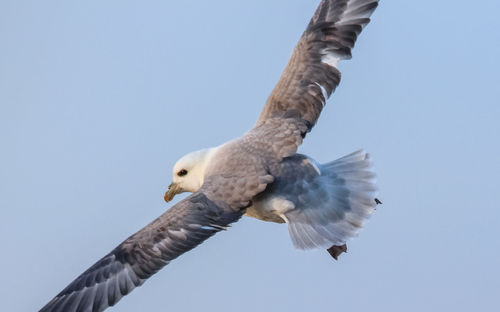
181, 228
329, 202
311, 74
294, 106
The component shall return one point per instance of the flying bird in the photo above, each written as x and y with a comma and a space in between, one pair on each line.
258, 174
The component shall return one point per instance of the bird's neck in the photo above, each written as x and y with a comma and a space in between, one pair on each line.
205, 163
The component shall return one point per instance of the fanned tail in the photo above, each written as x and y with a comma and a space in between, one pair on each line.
344, 197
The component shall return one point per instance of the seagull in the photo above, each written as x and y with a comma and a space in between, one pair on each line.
259, 175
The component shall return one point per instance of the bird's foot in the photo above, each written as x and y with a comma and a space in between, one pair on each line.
335, 251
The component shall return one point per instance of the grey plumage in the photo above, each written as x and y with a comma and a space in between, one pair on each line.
323, 204
310, 76
258, 174
178, 230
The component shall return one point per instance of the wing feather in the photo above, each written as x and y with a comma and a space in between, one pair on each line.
181, 228
311, 75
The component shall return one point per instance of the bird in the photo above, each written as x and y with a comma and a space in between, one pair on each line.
259, 174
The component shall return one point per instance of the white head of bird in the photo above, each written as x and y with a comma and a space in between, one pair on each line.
189, 173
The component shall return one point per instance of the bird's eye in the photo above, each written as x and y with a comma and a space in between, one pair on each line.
182, 173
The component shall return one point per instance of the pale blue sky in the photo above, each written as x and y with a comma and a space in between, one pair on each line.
98, 99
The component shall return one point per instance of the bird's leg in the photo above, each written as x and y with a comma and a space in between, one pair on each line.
335, 251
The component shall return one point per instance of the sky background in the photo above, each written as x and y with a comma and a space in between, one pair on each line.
98, 99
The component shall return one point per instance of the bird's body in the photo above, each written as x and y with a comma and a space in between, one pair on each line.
258, 174
311, 197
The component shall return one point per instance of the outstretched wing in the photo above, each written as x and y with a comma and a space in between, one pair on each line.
180, 229
311, 74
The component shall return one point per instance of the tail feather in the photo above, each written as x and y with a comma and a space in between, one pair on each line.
343, 196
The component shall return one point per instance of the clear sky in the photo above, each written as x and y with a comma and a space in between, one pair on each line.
98, 99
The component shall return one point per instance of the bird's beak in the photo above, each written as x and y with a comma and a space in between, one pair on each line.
173, 189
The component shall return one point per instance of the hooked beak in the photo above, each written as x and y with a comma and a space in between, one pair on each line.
173, 189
